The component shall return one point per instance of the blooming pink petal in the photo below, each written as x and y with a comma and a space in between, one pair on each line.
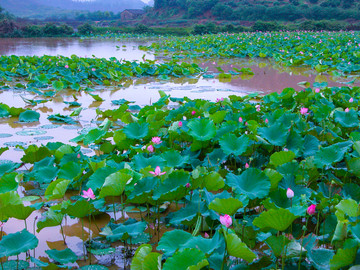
347, 110
247, 165
156, 140
351, 100
304, 110
240, 119
193, 112
89, 194
180, 124
206, 235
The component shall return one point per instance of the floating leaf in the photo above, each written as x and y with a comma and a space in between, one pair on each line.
62, 256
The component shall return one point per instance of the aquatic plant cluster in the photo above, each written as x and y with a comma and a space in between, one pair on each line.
241, 183
322, 51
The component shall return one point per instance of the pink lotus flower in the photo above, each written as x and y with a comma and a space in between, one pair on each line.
347, 110
156, 140
193, 113
304, 110
93, 69
266, 121
78, 155
289, 193
66, 66
226, 220
157, 172
311, 209
150, 148
180, 124
258, 108
49, 60
351, 100
206, 235
247, 165
89, 194
187, 185
317, 90
240, 119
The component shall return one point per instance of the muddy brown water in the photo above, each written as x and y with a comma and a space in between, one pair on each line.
268, 77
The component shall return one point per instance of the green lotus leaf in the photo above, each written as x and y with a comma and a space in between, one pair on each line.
79, 209
58, 85
343, 257
71, 170
136, 130
49, 218
8, 182
7, 166
349, 207
331, 154
212, 181
11, 265
143, 190
252, 182
174, 159
38, 262
239, 249
218, 117
130, 228
354, 166
278, 219
275, 134
351, 191
275, 177
144, 259
58, 118
347, 119
97, 179
185, 259
57, 189
114, 184
62, 256
29, 116
15, 243
201, 129
321, 257
231, 144
227, 206
282, 157
173, 187
18, 211
277, 244
172, 241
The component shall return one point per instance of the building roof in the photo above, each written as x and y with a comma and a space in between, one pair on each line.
135, 11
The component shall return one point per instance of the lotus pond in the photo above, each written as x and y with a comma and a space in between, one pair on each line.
106, 164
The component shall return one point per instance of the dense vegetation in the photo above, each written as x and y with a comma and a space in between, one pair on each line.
277, 10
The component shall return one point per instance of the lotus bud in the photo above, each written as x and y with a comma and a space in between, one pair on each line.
289, 193
311, 209
226, 220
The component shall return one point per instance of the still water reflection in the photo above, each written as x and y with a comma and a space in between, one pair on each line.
79, 47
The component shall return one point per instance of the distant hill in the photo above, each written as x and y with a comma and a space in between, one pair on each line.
252, 10
41, 8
